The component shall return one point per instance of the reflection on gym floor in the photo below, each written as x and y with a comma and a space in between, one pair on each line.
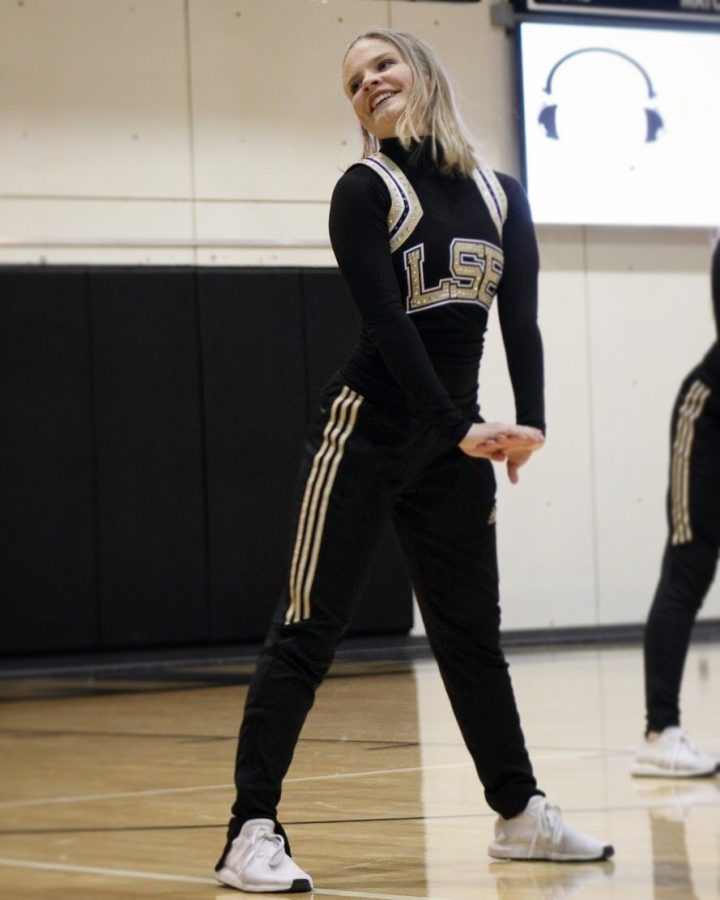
116, 784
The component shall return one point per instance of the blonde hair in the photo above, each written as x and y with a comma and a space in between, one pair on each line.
431, 107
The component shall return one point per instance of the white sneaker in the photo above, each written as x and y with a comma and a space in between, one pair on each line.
672, 755
257, 862
540, 833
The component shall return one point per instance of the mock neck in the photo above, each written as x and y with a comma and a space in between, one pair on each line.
418, 155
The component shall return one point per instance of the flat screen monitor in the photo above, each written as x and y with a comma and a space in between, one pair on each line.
620, 124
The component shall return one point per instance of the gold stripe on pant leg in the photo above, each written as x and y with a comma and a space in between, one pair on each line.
690, 411
679, 446
293, 612
321, 465
311, 525
355, 406
699, 397
679, 449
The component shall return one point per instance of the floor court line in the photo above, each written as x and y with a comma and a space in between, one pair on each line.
336, 776
120, 795
183, 879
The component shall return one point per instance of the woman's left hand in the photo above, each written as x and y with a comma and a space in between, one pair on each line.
515, 459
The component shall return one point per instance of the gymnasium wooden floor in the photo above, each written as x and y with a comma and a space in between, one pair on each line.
117, 785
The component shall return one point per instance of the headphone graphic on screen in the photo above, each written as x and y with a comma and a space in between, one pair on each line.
548, 113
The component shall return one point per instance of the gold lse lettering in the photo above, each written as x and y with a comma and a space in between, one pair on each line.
476, 269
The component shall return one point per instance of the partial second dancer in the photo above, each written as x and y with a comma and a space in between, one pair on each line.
688, 566
427, 237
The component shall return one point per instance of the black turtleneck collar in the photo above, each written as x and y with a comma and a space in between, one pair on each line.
418, 155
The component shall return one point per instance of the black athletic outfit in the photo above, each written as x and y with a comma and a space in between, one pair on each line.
693, 510
385, 445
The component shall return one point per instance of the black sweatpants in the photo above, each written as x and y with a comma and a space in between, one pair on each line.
362, 464
691, 552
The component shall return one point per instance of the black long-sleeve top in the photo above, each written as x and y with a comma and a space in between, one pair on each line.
424, 303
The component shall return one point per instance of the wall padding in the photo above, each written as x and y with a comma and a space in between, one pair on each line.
47, 535
150, 466
152, 421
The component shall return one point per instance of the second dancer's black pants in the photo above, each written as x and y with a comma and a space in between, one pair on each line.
691, 552
363, 464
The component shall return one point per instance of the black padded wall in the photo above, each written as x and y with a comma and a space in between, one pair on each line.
150, 465
151, 425
47, 530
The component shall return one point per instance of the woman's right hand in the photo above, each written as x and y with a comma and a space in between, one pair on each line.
493, 440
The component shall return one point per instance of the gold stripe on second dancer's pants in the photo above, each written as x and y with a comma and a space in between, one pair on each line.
690, 412
343, 415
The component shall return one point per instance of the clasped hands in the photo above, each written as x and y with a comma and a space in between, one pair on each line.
500, 442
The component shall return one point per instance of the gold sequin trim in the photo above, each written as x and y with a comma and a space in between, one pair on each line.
405, 209
493, 194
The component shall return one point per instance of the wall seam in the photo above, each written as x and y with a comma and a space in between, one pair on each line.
591, 428
191, 124
92, 398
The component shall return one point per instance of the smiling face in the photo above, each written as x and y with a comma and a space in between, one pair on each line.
378, 82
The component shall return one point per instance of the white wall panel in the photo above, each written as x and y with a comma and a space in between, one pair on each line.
270, 118
545, 523
41, 222
650, 323
93, 98
273, 222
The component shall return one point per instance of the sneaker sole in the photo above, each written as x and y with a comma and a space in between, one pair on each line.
516, 855
228, 878
647, 770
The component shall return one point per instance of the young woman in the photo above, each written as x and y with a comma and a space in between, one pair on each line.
688, 566
427, 238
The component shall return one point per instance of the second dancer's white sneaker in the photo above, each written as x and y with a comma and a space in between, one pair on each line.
672, 755
539, 832
257, 862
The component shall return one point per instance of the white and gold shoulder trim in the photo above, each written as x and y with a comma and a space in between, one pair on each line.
493, 194
405, 209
